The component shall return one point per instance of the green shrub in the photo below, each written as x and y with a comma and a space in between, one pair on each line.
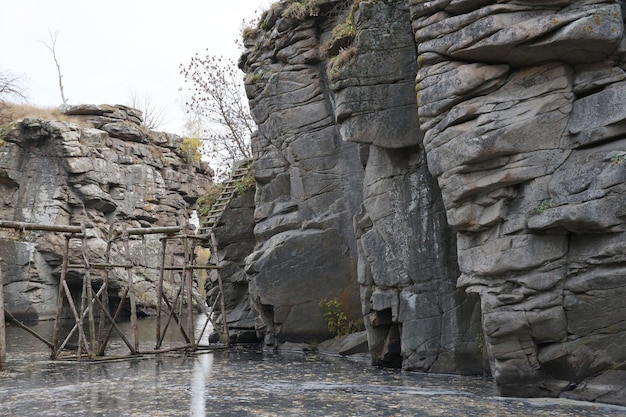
336, 318
617, 159
347, 29
244, 184
543, 206
191, 150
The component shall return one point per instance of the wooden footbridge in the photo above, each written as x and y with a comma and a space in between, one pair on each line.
94, 322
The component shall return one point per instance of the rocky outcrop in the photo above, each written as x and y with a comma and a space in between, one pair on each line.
308, 189
493, 221
522, 112
103, 170
359, 123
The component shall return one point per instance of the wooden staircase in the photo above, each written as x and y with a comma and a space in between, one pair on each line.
228, 192
213, 217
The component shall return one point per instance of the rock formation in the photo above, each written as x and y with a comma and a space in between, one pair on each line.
308, 190
103, 169
362, 121
518, 140
522, 114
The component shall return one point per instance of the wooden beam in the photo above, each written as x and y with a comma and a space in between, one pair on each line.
42, 227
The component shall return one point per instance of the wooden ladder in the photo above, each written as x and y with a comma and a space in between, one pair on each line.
213, 217
228, 193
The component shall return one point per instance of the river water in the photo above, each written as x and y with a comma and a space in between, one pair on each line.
244, 382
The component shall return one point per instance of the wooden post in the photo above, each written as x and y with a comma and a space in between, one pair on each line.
131, 291
105, 294
187, 278
160, 291
3, 340
57, 321
225, 332
87, 283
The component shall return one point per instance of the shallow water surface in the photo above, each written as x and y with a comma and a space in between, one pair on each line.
249, 383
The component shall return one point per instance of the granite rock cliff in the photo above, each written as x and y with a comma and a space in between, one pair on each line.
479, 147
103, 168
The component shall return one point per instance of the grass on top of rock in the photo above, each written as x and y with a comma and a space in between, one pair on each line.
338, 63
10, 112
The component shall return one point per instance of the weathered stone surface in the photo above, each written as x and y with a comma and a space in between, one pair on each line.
531, 176
309, 181
521, 124
308, 184
67, 173
351, 344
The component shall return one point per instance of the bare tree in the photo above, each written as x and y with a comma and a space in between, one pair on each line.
52, 48
218, 98
153, 115
11, 86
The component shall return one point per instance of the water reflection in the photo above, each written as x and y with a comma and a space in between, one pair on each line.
247, 383
199, 378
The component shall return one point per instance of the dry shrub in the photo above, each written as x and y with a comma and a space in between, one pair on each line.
337, 63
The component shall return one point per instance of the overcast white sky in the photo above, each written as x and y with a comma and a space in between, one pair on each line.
108, 49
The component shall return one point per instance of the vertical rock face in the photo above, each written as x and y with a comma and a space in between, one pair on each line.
235, 236
522, 106
106, 170
308, 183
414, 313
339, 155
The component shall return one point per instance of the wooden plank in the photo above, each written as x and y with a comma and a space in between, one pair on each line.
41, 227
154, 230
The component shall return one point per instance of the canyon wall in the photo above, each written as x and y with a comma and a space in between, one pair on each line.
522, 111
347, 148
102, 168
479, 148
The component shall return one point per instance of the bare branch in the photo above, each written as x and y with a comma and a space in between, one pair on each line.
218, 100
10, 86
153, 115
52, 48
